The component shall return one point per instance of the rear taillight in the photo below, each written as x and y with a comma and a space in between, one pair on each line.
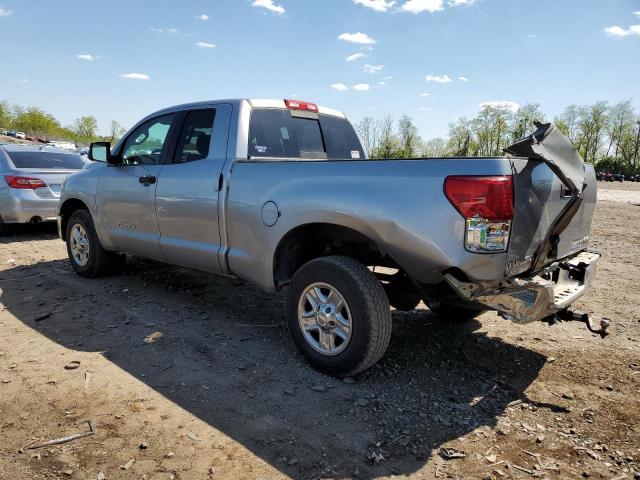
300, 105
24, 182
486, 203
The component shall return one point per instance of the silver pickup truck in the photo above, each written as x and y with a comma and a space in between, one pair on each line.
281, 193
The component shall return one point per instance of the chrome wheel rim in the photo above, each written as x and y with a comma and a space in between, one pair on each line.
325, 319
79, 245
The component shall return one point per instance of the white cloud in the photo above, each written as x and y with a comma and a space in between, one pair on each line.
387, 78
341, 87
24, 80
458, 3
425, 109
502, 105
418, 6
373, 68
616, 31
383, 84
354, 57
269, 5
85, 56
4, 12
164, 30
637, 13
358, 37
205, 45
361, 87
463, 79
438, 78
532, 36
425, 94
203, 17
135, 76
377, 5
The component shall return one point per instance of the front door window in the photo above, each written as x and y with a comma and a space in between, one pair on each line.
145, 144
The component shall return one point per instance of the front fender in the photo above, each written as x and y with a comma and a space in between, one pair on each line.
82, 186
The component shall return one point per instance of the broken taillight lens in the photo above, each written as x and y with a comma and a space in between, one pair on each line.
486, 203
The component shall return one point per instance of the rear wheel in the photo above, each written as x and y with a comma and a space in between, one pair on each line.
87, 256
338, 315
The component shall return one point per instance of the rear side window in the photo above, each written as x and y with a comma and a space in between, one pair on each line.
272, 135
195, 137
340, 138
46, 160
276, 133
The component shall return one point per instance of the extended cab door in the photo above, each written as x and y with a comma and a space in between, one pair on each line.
188, 189
126, 193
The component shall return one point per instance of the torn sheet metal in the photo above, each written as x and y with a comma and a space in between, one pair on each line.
547, 143
525, 300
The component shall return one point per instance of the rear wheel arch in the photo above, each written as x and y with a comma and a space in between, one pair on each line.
314, 240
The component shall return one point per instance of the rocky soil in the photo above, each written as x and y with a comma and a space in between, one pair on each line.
189, 376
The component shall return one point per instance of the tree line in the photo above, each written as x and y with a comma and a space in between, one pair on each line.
36, 122
604, 134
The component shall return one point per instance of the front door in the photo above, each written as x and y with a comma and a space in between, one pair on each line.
126, 193
188, 189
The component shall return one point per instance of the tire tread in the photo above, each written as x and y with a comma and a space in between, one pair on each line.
376, 308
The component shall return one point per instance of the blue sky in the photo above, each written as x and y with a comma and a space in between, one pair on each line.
434, 60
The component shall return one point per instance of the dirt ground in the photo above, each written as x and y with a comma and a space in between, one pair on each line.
189, 376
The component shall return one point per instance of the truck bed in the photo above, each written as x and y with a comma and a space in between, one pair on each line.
399, 204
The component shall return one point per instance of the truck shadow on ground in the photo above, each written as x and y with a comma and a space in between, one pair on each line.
225, 356
28, 233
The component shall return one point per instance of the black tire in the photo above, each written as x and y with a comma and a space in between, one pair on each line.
368, 305
453, 313
100, 261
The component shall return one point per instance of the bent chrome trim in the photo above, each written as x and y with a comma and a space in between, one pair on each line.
525, 300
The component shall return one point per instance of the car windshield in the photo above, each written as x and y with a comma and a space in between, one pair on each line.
46, 160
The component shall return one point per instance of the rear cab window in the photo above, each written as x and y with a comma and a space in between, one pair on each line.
277, 133
46, 160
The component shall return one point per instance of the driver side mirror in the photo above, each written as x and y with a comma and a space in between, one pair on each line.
101, 152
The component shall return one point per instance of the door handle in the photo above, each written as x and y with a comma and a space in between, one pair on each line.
147, 180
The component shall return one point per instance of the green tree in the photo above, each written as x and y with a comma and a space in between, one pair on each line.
591, 130
410, 142
460, 138
117, 131
567, 122
522, 121
35, 121
85, 129
491, 128
6, 114
367, 129
388, 142
435, 147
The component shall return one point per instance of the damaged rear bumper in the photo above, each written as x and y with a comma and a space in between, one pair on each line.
526, 300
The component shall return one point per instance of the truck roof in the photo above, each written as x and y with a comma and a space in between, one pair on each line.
253, 102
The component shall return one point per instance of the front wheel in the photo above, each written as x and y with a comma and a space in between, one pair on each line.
87, 256
338, 315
